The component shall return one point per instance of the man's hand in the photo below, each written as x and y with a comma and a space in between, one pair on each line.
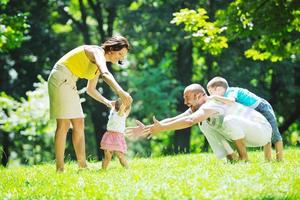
139, 131
156, 128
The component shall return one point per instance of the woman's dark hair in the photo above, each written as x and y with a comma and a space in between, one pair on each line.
115, 43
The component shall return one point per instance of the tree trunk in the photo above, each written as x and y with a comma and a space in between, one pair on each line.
84, 27
97, 10
275, 84
110, 19
184, 74
99, 119
5, 150
80, 25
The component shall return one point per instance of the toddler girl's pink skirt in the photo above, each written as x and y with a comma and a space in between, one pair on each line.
113, 141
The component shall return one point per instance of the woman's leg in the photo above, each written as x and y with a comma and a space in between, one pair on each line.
79, 141
107, 159
62, 128
122, 159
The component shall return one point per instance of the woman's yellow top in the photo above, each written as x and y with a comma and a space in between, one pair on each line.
79, 64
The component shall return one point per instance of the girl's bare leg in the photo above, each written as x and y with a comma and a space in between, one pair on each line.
107, 159
122, 159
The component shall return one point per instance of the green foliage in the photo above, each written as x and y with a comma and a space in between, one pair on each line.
273, 37
13, 28
294, 136
206, 35
7, 107
151, 87
154, 94
196, 176
27, 123
271, 26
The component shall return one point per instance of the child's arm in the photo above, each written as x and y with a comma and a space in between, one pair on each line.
226, 100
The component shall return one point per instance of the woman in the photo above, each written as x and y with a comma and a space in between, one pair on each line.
88, 62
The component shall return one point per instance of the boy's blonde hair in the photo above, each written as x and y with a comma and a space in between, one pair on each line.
217, 82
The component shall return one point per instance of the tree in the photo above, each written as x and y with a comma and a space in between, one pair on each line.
261, 34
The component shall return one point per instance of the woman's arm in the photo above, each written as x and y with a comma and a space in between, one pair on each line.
108, 77
97, 56
94, 93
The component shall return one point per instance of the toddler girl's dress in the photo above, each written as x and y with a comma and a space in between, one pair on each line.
113, 139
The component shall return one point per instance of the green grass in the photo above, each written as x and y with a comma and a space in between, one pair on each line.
196, 176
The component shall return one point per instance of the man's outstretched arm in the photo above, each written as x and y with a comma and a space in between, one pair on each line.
180, 123
185, 114
143, 131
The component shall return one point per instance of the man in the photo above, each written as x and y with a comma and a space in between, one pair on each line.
219, 122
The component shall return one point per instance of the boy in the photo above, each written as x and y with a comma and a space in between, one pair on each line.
218, 89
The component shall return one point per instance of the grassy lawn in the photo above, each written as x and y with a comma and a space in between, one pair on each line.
194, 176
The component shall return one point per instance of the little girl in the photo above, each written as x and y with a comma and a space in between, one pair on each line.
113, 140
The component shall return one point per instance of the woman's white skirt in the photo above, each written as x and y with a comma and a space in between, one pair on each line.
63, 95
